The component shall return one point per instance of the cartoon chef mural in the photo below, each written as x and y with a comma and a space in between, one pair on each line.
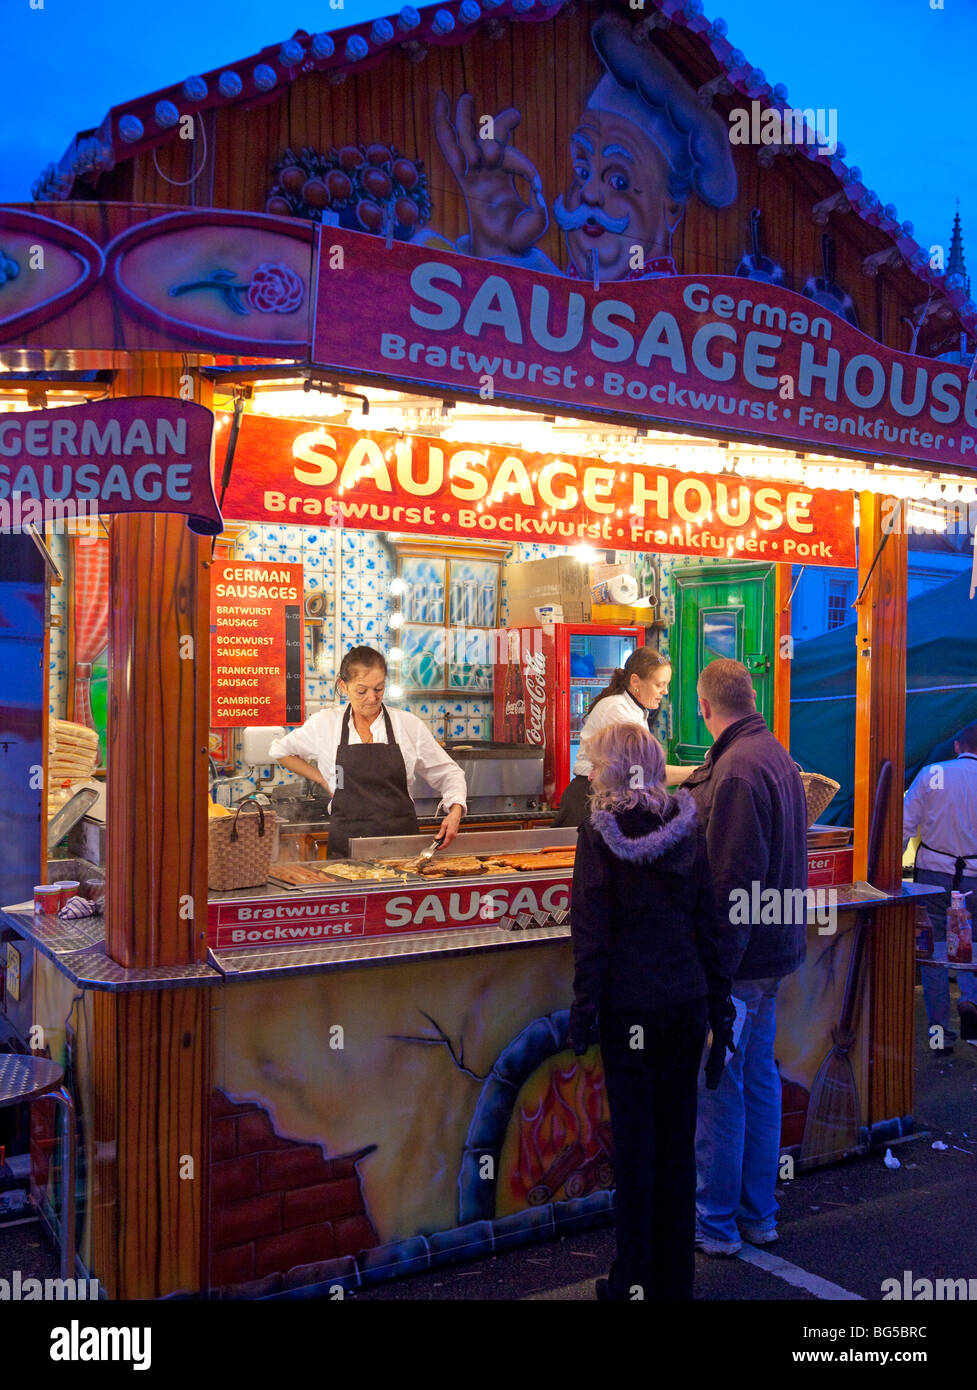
643, 145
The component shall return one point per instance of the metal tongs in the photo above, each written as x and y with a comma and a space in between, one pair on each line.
425, 856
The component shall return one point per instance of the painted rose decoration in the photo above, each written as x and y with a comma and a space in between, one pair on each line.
273, 289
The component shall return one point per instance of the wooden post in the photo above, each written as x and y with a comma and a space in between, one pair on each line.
159, 694
151, 1063
880, 733
159, 702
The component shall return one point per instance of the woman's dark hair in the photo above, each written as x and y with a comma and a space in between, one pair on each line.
643, 662
365, 657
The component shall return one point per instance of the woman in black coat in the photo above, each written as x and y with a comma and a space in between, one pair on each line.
645, 930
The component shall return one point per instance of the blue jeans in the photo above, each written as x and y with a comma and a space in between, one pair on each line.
737, 1145
936, 978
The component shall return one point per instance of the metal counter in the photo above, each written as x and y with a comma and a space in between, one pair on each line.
90, 968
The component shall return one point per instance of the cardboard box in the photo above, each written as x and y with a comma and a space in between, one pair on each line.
562, 581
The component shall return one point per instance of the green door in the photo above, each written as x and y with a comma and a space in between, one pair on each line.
720, 610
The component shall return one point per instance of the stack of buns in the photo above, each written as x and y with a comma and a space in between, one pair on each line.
72, 758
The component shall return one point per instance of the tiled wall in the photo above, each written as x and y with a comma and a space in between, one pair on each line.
368, 565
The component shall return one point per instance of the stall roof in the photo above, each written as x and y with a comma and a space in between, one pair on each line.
151, 121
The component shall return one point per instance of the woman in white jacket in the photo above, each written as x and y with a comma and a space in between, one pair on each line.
633, 696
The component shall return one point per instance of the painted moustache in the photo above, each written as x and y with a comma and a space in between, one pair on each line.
569, 221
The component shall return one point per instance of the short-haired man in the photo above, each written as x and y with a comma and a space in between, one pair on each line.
751, 800
941, 807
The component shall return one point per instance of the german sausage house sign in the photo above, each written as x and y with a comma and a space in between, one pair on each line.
719, 354
378, 481
135, 454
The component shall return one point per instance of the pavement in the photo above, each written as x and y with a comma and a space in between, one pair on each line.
843, 1229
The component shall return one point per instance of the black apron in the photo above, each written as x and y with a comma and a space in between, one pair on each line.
371, 791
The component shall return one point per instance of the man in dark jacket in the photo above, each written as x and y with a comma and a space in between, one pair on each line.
751, 801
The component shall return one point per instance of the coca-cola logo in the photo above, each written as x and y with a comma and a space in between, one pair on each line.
534, 678
515, 707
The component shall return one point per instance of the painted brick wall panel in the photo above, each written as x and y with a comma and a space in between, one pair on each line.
353, 1234
255, 1134
235, 1266
261, 1216
234, 1180
305, 1246
324, 1202
223, 1139
220, 1105
293, 1167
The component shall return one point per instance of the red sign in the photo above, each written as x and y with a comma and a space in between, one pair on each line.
136, 454
301, 919
830, 866
256, 645
379, 481
718, 354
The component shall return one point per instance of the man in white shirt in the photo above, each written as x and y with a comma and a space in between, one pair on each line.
941, 807
370, 760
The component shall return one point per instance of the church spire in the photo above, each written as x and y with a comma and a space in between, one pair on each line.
955, 265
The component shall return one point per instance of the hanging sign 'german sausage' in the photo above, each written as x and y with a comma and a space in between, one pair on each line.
718, 353
137, 454
286, 470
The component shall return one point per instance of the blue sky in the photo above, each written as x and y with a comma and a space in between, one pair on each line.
899, 73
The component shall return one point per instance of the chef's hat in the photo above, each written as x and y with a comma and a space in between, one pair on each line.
643, 87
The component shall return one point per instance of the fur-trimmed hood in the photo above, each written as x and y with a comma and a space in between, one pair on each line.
668, 833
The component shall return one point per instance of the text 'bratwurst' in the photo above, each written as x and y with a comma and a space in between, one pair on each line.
560, 321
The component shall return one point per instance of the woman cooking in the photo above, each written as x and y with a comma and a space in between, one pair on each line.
370, 760
635, 692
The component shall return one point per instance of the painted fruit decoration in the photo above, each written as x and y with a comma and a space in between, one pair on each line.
368, 188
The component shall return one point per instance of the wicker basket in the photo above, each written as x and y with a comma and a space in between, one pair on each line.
240, 848
819, 791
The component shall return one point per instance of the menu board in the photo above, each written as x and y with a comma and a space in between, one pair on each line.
256, 644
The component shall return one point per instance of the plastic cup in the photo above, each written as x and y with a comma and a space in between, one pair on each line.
70, 888
47, 899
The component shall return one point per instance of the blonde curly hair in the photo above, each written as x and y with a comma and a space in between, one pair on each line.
628, 769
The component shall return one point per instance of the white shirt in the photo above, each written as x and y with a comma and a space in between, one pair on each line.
941, 805
613, 709
319, 736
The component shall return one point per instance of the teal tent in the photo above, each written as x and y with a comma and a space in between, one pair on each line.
941, 691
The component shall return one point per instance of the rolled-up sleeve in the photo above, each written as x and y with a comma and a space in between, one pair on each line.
316, 738
436, 767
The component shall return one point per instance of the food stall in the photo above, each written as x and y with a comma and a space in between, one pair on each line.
365, 1069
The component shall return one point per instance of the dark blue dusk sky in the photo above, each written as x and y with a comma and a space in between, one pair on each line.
899, 72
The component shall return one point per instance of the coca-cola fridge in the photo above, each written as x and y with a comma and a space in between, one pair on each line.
544, 681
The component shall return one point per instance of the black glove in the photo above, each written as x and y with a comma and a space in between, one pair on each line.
722, 1016
582, 1032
